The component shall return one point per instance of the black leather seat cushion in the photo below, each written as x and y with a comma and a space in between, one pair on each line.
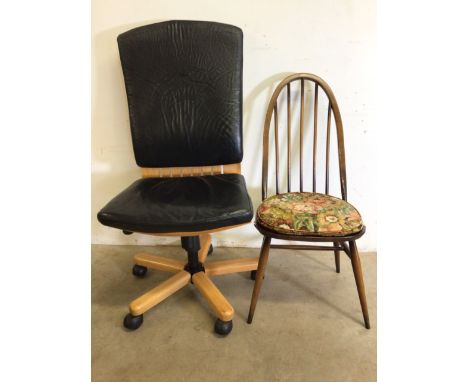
159, 205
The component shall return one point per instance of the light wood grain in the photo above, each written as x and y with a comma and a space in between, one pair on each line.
157, 262
173, 172
234, 168
160, 293
231, 266
223, 309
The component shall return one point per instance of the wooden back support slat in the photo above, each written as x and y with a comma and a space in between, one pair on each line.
172, 172
301, 135
234, 168
327, 160
289, 136
314, 150
275, 112
332, 108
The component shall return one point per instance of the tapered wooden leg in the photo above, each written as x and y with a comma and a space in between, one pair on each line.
160, 293
222, 307
262, 263
337, 257
356, 263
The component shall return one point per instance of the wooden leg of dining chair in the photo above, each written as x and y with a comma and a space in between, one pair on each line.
262, 263
356, 263
337, 257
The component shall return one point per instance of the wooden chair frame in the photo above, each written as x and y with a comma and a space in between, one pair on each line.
347, 243
183, 274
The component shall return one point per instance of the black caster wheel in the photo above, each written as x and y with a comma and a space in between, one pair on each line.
133, 322
139, 270
210, 251
223, 328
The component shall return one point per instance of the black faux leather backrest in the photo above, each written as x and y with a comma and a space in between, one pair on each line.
184, 90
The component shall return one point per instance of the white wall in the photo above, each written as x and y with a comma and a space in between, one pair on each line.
333, 39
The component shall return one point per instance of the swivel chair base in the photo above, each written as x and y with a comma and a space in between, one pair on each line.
194, 271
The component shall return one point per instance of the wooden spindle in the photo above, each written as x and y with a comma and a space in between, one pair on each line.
275, 111
328, 148
314, 151
289, 136
301, 133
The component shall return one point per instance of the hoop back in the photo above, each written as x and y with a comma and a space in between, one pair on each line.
272, 113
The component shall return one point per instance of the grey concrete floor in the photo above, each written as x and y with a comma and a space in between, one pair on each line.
308, 324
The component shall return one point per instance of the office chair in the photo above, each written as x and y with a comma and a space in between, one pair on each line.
307, 216
184, 88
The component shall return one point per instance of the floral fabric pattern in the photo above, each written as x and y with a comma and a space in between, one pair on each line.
307, 213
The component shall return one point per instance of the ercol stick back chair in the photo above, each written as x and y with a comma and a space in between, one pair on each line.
184, 88
307, 216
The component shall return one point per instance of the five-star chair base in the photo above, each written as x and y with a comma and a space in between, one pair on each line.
195, 271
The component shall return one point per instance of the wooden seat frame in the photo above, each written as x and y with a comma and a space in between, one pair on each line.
340, 243
196, 271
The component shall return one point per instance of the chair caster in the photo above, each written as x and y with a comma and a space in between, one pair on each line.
132, 322
139, 270
210, 251
223, 328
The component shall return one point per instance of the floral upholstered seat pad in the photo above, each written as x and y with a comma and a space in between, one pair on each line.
308, 213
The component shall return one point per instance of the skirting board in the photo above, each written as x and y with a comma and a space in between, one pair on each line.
147, 240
